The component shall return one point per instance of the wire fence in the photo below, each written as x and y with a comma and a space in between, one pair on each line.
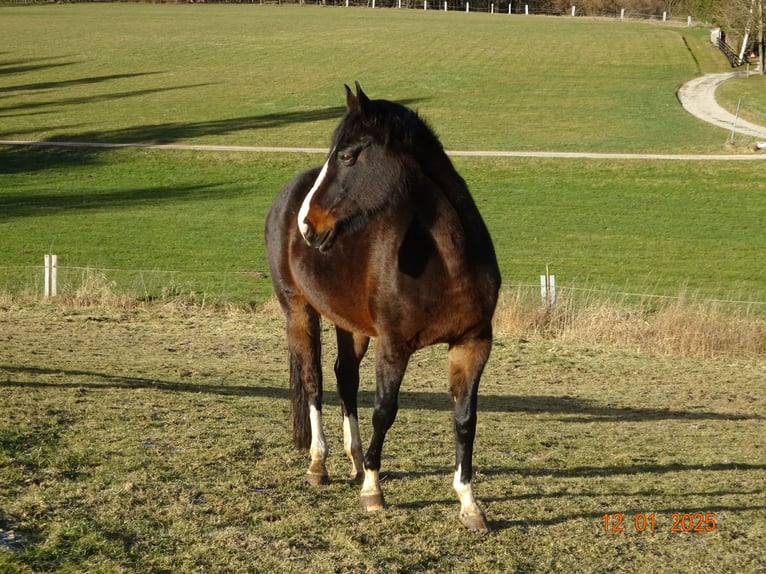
252, 287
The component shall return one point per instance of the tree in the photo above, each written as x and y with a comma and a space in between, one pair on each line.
743, 22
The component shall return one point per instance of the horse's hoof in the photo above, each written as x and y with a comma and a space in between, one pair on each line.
372, 502
317, 479
475, 522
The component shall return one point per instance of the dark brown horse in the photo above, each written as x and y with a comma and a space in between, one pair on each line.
385, 241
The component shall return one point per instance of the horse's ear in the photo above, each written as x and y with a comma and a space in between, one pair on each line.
364, 101
351, 100
358, 101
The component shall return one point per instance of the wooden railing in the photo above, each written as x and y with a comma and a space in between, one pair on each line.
730, 54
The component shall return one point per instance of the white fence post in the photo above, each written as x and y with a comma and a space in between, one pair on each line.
492, 8
622, 13
466, 8
509, 8
688, 21
574, 10
548, 289
425, 4
445, 5
664, 16
50, 275
526, 9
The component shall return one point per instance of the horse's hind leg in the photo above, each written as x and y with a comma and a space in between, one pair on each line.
466, 363
304, 342
351, 349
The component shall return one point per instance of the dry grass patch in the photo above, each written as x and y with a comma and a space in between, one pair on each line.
666, 326
156, 439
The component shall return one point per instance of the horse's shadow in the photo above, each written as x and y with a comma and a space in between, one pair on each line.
570, 409
576, 410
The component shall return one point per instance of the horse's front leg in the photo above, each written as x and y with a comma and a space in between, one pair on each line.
466, 363
351, 349
390, 365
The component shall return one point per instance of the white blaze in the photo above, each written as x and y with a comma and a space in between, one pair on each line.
304, 210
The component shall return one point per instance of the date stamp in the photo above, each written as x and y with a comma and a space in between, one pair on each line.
652, 522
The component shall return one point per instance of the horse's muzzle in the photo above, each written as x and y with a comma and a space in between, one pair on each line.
321, 241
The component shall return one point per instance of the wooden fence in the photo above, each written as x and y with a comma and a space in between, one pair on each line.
730, 54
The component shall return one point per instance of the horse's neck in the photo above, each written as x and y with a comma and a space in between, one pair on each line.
454, 189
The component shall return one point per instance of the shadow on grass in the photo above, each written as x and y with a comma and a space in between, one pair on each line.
170, 132
16, 206
24, 109
571, 409
24, 65
57, 84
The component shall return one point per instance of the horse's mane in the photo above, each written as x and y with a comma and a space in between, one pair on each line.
402, 129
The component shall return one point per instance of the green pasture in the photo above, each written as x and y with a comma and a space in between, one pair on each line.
271, 75
748, 93
153, 224
156, 223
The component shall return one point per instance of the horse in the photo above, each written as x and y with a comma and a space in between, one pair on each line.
385, 241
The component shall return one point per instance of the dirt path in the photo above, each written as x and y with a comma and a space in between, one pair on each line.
698, 98
453, 153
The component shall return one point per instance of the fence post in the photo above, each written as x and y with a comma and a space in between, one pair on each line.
50, 275
492, 8
425, 4
574, 10
688, 21
445, 5
526, 9
466, 8
548, 289
622, 13
664, 16
509, 8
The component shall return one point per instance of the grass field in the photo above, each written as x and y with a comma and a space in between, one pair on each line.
191, 223
152, 436
158, 441
266, 75
154, 224
749, 94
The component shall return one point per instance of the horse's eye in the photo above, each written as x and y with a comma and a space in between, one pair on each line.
346, 158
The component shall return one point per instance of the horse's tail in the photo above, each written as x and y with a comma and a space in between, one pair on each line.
300, 407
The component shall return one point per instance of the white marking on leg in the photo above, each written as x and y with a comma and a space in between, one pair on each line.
371, 483
371, 496
304, 210
464, 493
352, 443
471, 514
318, 449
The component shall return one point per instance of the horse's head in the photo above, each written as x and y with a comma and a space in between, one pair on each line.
363, 174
